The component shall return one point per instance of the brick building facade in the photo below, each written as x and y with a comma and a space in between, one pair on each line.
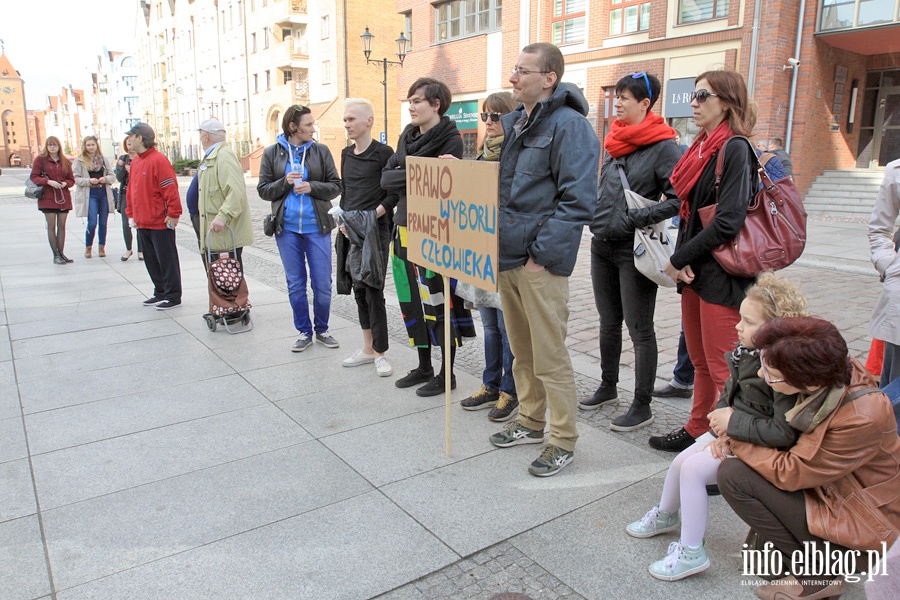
844, 112
15, 149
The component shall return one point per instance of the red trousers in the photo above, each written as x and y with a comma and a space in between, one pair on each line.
709, 333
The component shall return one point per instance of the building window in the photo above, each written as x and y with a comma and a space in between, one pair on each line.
325, 27
252, 43
568, 21
223, 21
693, 11
268, 80
407, 27
326, 72
288, 76
255, 83
265, 38
629, 16
462, 18
240, 12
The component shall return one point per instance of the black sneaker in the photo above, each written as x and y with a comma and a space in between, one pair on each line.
483, 398
415, 377
153, 301
670, 391
167, 304
604, 395
674, 441
435, 387
638, 416
506, 408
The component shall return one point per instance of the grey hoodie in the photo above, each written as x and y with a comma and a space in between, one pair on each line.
548, 182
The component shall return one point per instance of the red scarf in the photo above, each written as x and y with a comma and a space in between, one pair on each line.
690, 167
624, 139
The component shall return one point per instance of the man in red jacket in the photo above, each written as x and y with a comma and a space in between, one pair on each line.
155, 206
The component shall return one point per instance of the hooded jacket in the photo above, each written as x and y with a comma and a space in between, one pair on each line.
548, 182
322, 177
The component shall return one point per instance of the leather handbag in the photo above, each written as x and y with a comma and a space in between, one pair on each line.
33, 190
774, 233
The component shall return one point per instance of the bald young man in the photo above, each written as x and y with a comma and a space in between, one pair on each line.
361, 166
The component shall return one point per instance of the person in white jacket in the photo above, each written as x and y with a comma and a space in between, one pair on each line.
885, 324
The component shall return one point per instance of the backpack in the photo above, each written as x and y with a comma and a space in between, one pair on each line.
774, 233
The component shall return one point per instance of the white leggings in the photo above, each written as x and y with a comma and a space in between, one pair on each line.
685, 487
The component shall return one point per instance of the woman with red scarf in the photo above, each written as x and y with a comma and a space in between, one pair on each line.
710, 297
644, 147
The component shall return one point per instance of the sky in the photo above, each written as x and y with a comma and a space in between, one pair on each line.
54, 43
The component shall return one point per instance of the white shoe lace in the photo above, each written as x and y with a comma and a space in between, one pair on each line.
651, 517
673, 554
382, 363
303, 336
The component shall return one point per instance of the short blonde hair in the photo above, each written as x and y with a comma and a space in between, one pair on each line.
777, 296
367, 106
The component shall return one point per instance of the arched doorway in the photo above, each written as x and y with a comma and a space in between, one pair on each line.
273, 124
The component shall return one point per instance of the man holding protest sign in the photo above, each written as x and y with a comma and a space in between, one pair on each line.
547, 196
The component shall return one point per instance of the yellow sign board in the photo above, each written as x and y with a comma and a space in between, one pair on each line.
451, 218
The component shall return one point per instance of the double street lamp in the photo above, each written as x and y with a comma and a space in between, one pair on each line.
401, 53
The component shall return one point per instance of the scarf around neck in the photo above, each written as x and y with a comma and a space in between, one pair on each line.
690, 167
811, 410
428, 144
491, 150
624, 139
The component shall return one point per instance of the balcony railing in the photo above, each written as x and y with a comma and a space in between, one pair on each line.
855, 14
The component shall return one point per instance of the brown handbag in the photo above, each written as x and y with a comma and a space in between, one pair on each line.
774, 233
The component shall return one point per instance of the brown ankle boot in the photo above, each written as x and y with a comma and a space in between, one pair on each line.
87, 251
102, 251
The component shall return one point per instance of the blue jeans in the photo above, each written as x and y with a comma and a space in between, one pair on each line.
297, 251
98, 208
684, 368
498, 358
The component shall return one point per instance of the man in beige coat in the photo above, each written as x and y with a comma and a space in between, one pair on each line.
222, 195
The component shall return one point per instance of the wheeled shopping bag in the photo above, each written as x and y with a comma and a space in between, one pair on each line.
229, 303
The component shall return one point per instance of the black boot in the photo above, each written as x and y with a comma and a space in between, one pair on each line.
638, 416
58, 259
65, 258
604, 395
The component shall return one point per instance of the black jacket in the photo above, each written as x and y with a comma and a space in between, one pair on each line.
696, 243
323, 180
359, 254
648, 169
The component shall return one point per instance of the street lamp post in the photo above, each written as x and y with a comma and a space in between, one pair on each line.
401, 53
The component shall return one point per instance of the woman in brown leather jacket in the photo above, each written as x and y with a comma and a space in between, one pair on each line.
840, 483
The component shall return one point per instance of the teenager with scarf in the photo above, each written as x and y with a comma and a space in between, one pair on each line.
710, 297
430, 134
298, 176
644, 147
93, 192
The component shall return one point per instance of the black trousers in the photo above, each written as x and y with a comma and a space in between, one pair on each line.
161, 259
370, 301
778, 516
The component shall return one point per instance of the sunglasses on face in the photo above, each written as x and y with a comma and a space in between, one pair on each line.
646, 80
702, 96
493, 116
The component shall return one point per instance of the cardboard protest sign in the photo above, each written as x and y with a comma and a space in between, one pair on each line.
451, 218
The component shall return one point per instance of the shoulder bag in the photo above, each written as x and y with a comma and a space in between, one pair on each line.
774, 233
33, 190
652, 246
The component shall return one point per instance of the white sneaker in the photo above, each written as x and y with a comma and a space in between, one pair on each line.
358, 358
383, 367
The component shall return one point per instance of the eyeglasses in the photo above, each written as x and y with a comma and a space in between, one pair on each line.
646, 80
523, 72
493, 116
765, 373
702, 96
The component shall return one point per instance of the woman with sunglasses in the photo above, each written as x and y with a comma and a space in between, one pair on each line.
710, 297
298, 176
640, 149
498, 388
838, 483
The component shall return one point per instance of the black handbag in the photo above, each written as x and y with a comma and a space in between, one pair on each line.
33, 190
269, 225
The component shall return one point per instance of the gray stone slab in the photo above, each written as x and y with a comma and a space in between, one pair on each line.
287, 380
145, 410
75, 322
91, 470
153, 375
86, 340
12, 440
102, 536
22, 561
16, 490
114, 354
7, 373
9, 402
453, 501
354, 549
5, 345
